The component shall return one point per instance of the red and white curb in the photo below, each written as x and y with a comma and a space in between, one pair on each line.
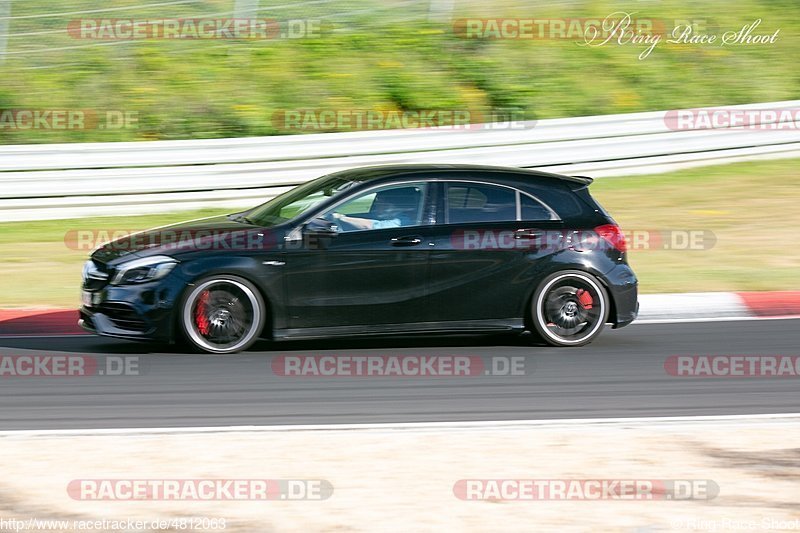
718, 305
678, 307
39, 322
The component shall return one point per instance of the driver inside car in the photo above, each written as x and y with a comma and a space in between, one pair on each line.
392, 208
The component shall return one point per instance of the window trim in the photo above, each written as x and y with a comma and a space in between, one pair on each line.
518, 197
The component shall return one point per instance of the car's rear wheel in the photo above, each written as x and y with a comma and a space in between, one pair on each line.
569, 308
222, 314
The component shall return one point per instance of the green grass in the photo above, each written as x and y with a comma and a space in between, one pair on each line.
41, 268
751, 208
378, 60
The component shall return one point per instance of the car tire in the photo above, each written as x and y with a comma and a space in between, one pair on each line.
222, 314
569, 308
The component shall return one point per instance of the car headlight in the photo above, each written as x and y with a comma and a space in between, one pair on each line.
144, 269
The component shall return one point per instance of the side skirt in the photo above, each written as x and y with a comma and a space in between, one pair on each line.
461, 327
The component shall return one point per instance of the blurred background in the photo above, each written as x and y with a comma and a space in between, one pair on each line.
375, 54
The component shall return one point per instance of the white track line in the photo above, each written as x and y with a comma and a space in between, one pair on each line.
711, 319
425, 426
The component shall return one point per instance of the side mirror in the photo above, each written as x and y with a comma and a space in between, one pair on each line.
321, 227
317, 234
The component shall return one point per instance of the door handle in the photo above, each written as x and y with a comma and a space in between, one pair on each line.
527, 234
408, 240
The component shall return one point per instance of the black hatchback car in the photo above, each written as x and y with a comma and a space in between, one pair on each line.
378, 250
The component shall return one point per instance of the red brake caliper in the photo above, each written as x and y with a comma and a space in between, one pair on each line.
585, 298
200, 318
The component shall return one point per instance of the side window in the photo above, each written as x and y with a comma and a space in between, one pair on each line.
531, 209
393, 206
475, 202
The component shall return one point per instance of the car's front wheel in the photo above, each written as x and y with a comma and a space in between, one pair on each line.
569, 308
222, 314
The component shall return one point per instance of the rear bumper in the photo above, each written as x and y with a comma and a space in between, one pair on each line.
623, 288
629, 319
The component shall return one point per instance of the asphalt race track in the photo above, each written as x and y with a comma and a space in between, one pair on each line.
620, 375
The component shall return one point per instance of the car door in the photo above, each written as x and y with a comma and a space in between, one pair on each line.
486, 243
364, 276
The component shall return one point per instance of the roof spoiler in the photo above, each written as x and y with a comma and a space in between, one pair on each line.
583, 179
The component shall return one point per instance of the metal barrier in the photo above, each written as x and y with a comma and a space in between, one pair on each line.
95, 179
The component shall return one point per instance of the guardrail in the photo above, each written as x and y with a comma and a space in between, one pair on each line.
77, 180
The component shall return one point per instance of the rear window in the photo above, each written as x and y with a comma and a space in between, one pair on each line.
478, 202
531, 209
564, 201
473, 202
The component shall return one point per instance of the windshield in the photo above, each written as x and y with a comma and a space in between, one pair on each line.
299, 200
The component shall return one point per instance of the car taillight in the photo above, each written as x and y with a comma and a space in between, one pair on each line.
613, 235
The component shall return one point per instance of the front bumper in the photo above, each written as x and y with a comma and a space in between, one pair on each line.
138, 312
